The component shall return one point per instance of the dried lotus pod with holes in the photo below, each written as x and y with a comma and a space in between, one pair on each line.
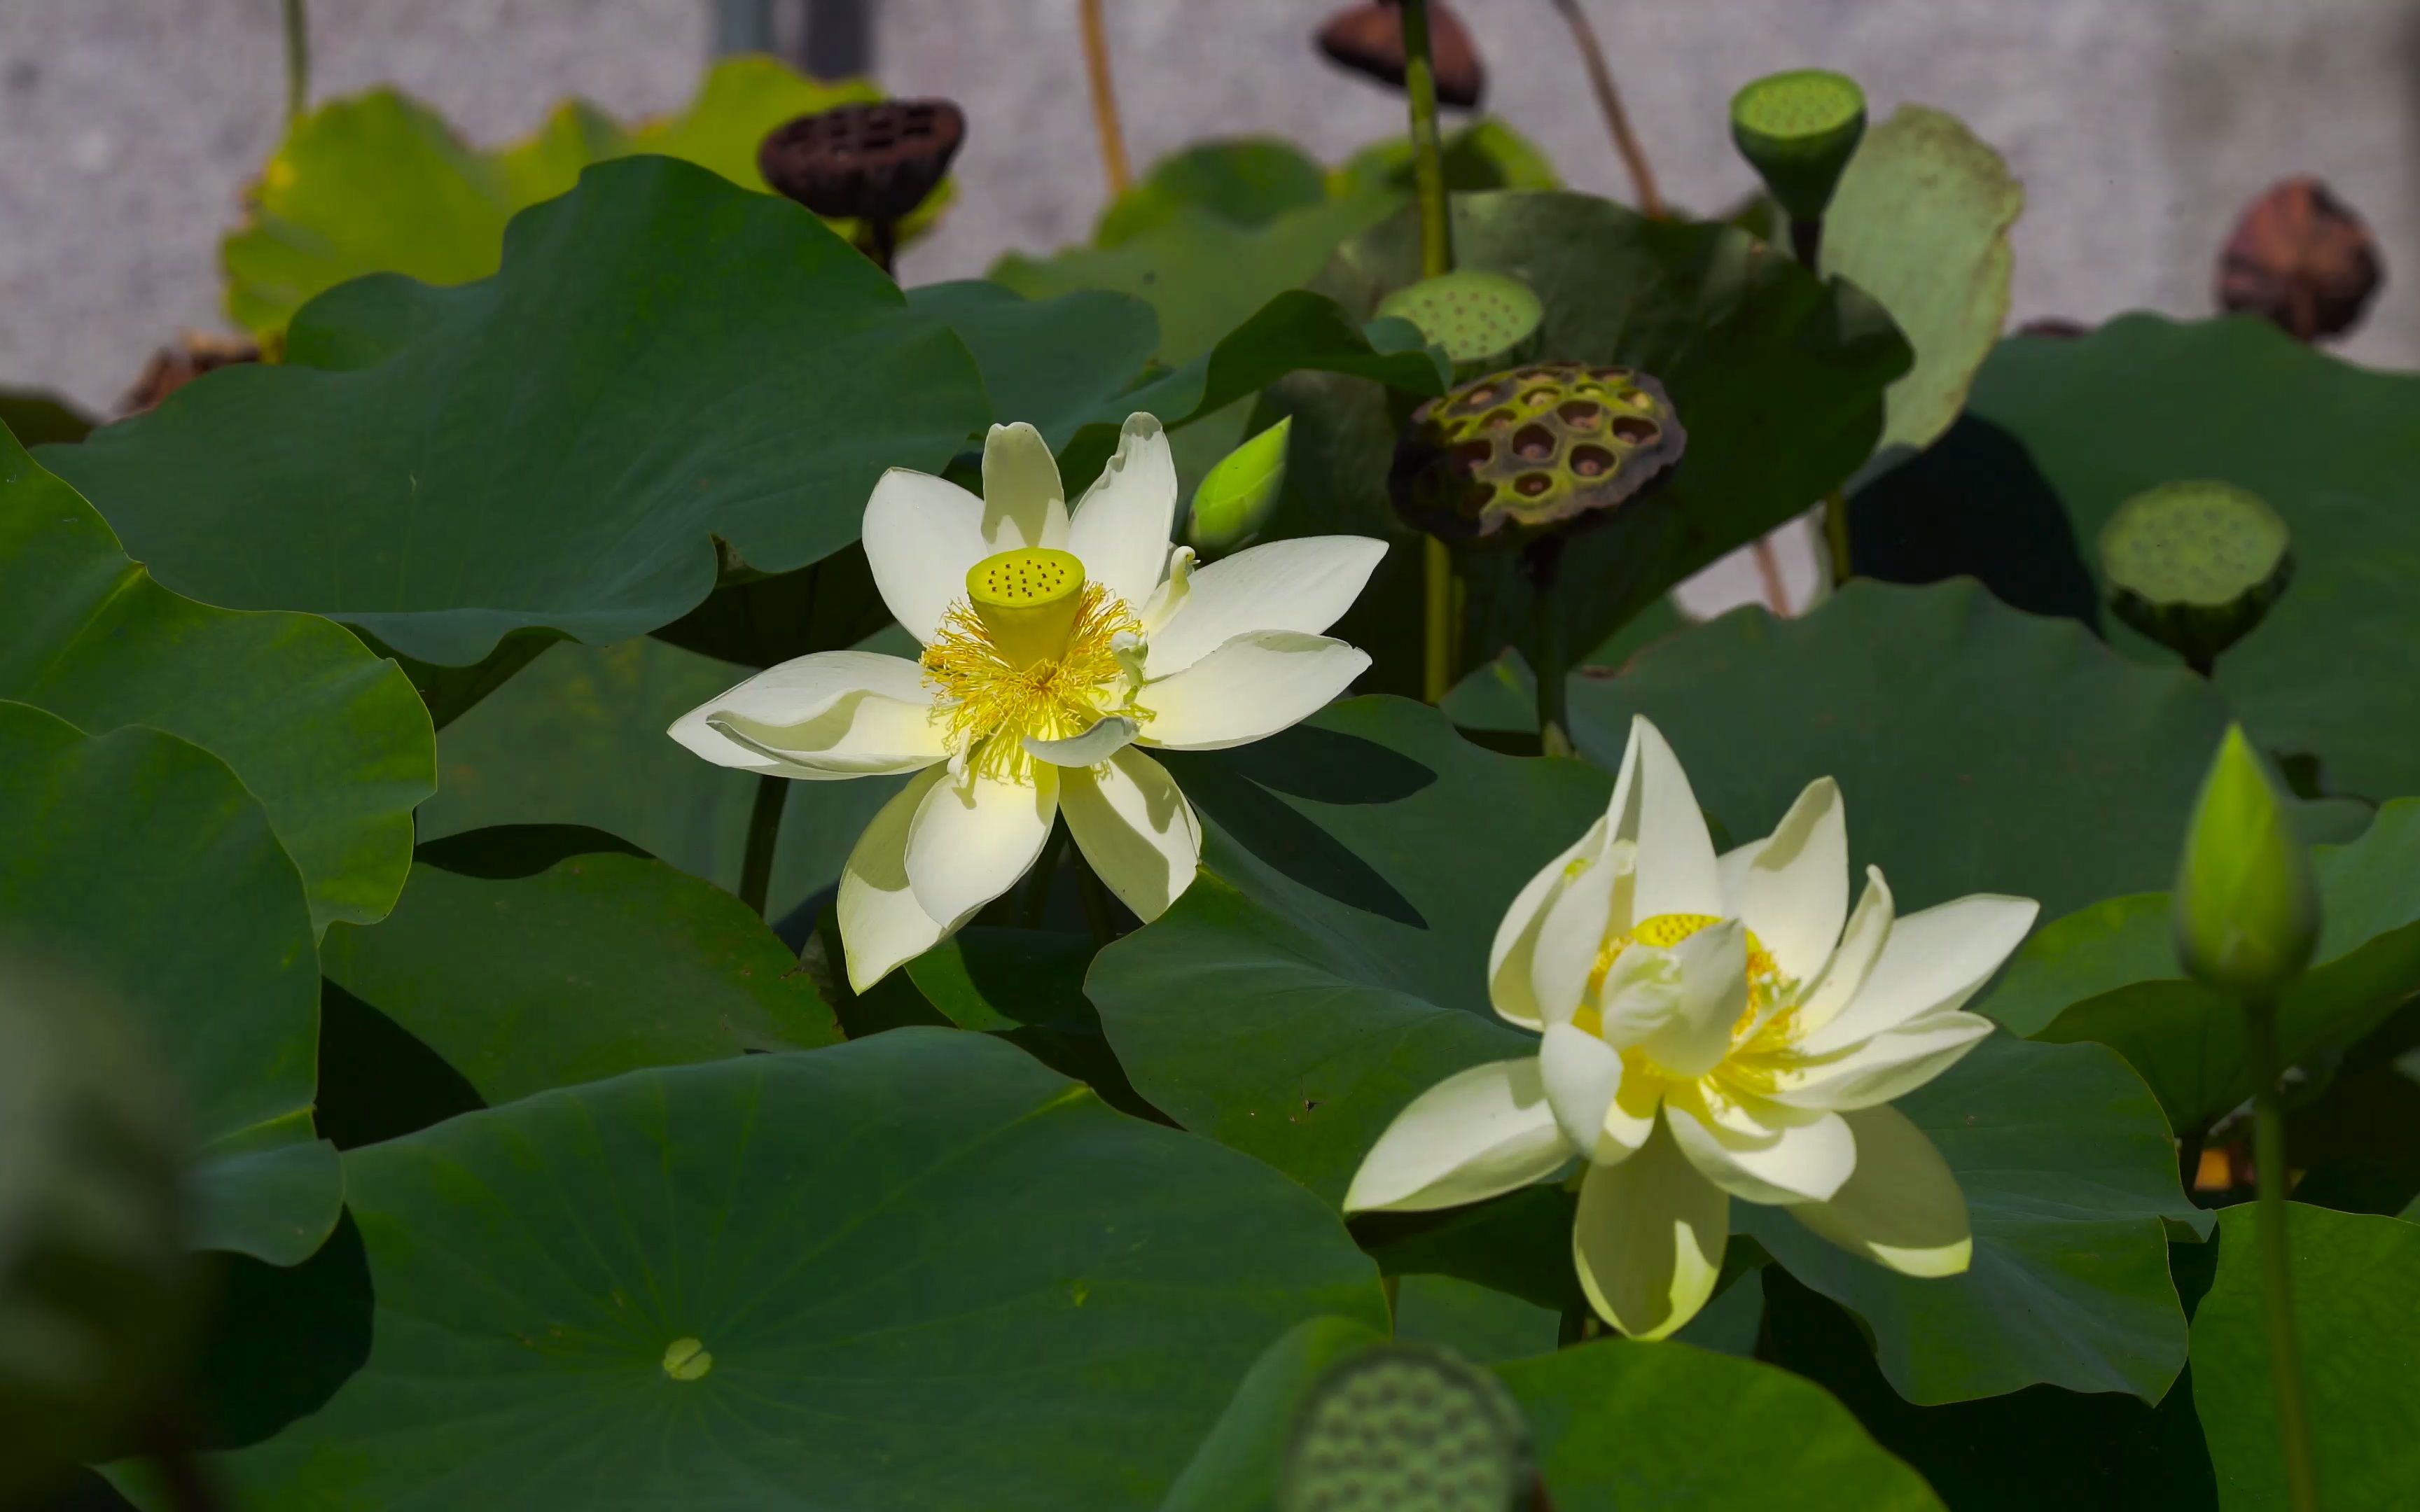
870, 163
1368, 40
2196, 565
1406, 1428
2301, 258
1535, 451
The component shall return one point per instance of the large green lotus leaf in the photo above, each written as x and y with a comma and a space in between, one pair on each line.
2333, 446
2357, 1312
1920, 220
579, 739
1203, 273
329, 738
1979, 749
1778, 378
1053, 363
1236, 1467
37, 417
929, 1273
2109, 972
140, 858
1619, 1426
1247, 181
665, 360
379, 183
1331, 962
536, 956
2070, 1184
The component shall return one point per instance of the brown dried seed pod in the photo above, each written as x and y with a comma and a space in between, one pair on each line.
871, 163
2302, 258
171, 368
1369, 39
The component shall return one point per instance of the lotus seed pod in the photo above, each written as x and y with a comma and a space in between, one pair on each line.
2195, 566
1368, 38
2300, 257
1406, 1428
1486, 322
1506, 458
1237, 496
872, 162
2246, 913
1798, 130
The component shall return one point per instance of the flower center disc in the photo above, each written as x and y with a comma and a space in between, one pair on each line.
1027, 600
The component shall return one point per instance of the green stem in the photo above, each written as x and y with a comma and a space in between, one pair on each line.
2276, 1260
1436, 258
1544, 560
763, 832
1097, 902
297, 61
1037, 886
1835, 535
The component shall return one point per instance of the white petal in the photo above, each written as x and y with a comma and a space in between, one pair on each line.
1794, 1156
1853, 960
1934, 961
1648, 1239
1302, 585
836, 714
922, 534
1585, 1084
1170, 595
1509, 958
1121, 525
1023, 504
1712, 978
1886, 1067
1107, 737
1475, 1134
1135, 827
1250, 688
1572, 930
1903, 1207
880, 922
1795, 889
1653, 806
974, 836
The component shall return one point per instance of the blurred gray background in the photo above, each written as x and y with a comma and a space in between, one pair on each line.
2138, 126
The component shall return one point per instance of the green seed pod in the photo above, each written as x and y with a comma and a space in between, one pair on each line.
97, 1290
1237, 497
2196, 565
1512, 457
1406, 1428
1798, 130
2245, 914
1486, 322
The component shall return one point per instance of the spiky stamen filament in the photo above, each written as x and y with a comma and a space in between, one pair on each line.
987, 706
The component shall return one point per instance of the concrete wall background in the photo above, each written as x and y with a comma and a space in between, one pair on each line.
2139, 126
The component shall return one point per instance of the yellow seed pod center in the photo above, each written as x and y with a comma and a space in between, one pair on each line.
1027, 600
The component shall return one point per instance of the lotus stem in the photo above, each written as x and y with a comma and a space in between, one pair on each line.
1105, 99
1542, 560
1835, 535
1608, 100
1768, 576
1437, 258
297, 61
2276, 1259
764, 834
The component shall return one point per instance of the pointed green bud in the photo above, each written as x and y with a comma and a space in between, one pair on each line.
1238, 494
1798, 130
2245, 914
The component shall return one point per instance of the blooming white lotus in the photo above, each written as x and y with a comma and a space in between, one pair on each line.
1710, 1031
1056, 644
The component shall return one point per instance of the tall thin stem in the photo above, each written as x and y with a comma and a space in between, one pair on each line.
297, 61
1543, 558
2276, 1260
1104, 99
1608, 100
764, 834
1436, 258
1835, 535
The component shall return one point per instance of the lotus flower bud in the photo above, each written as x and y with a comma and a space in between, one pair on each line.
1406, 1425
1798, 130
2246, 913
1538, 450
1238, 494
2195, 566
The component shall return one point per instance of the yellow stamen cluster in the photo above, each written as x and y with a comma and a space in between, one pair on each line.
1664, 930
989, 706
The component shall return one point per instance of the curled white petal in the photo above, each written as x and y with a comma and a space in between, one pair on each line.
974, 836
1108, 737
1933, 961
1247, 690
1303, 584
881, 924
1479, 1133
836, 714
1136, 829
1648, 1239
1901, 1207
1120, 526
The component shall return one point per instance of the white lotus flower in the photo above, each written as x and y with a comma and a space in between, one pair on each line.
1057, 644
1710, 1031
